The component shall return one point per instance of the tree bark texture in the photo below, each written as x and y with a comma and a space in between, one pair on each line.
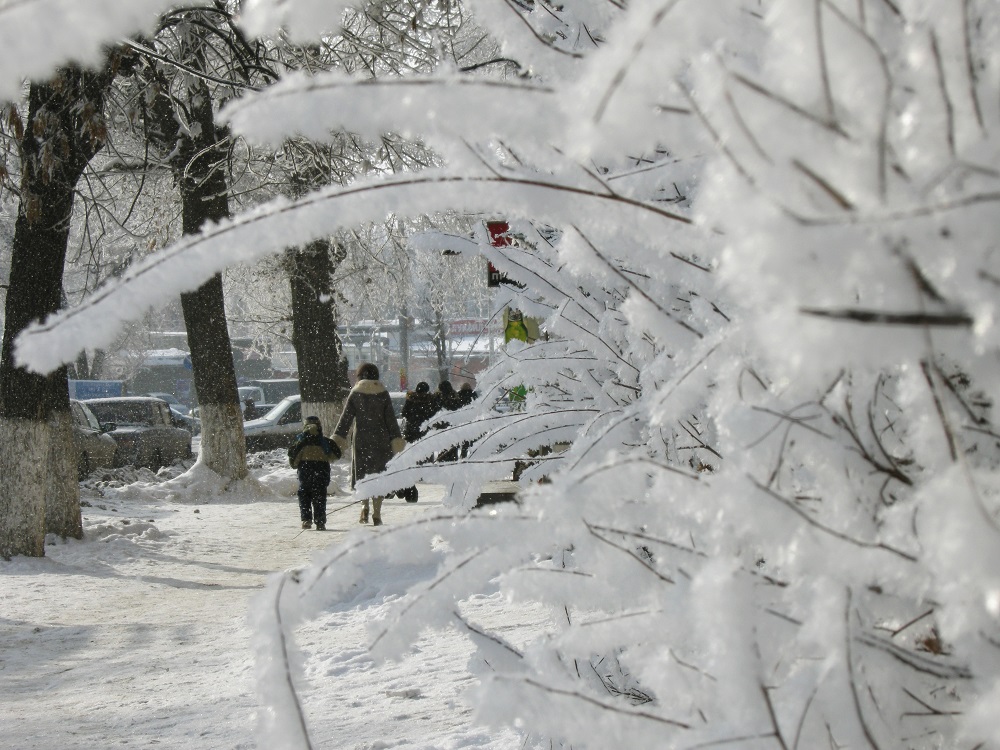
322, 372
22, 501
62, 479
65, 128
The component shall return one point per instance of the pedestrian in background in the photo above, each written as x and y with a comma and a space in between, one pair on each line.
310, 455
466, 395
249, 410
419, 407
376, 433
447, 400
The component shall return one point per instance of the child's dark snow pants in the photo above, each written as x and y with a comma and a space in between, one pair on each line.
314, 476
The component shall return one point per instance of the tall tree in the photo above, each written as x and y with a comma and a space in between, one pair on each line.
200, 58
183, 126
204, 196
64, 130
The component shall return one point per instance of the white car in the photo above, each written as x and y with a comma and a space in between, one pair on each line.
277, 428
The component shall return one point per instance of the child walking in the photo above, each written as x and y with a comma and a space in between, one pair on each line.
311, 454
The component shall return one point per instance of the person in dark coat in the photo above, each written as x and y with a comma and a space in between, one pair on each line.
419, 407
250, 410
376, 433
447, 400
466, 395
311, 454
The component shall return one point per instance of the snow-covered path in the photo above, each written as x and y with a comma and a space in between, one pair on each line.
138, 636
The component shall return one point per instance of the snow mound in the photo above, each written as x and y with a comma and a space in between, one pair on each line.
124, 529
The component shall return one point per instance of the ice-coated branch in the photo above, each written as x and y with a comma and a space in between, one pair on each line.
282, 720
919, 319
281, 223
626, 66
577, 697
417, 597
630, 552
791, 505
853, 677
37, 36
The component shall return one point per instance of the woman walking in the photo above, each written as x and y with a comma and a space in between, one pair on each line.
376, 433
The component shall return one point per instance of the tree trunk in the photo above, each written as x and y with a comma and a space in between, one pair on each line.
39, 491
404, 349
441, 346
322, 371
22, 498
201, 176
223, 449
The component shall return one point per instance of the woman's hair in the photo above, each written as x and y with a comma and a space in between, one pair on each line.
445, 387
367, 371
422, 387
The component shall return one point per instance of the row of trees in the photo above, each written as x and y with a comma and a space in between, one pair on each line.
763, 237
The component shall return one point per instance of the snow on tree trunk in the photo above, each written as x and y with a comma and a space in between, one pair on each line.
23, 454
223, 448
219, 452
62, 493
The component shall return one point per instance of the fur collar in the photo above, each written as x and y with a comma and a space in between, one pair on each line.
368, 387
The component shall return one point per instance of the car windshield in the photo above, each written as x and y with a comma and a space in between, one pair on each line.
249, 391
83, 417
276, 411
168, 397
123, 412
88, 415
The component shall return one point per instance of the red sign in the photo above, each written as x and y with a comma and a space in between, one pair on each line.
498, 233
498, 238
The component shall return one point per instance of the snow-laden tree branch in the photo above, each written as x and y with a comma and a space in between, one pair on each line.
275, 225
756, 448
36, 36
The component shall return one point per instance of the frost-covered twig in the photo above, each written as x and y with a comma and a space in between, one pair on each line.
791, 505
593, 702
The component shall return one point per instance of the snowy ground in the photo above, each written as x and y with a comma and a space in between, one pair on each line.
138, 636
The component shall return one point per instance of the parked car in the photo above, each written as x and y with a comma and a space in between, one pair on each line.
95, 449
277, 428
170, 398
283, 422
144, 429
272, 391
181, 414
